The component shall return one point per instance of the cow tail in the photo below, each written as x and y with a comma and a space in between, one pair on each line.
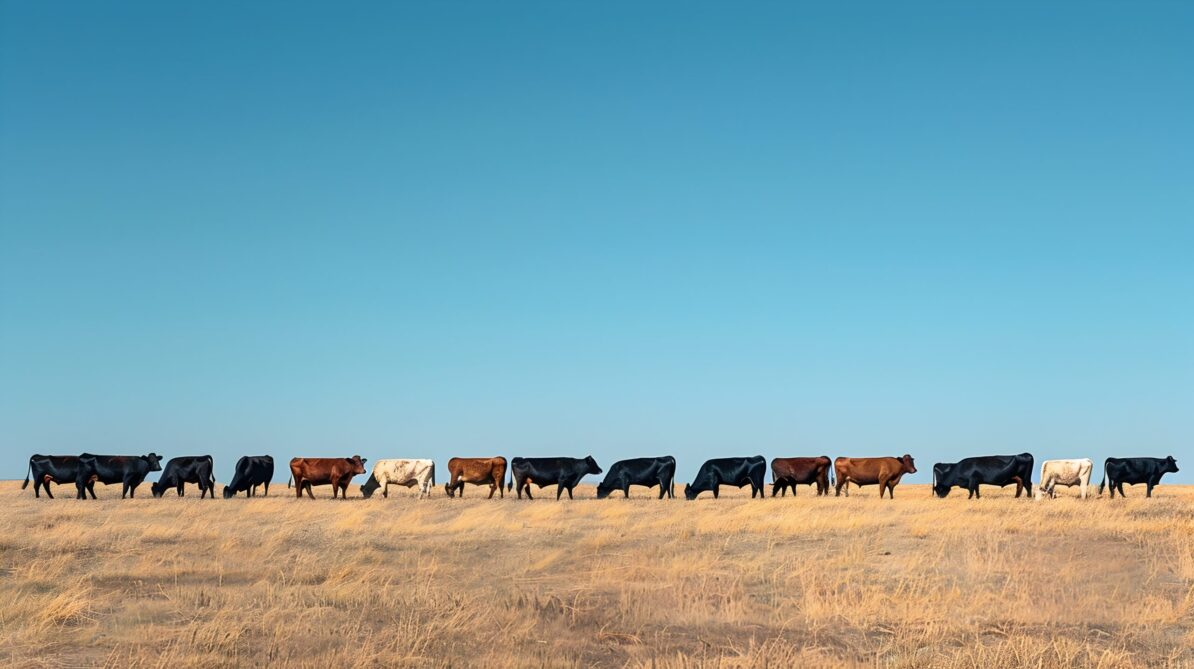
288, 481
28, 473
1104, 480
510, 485
432, 474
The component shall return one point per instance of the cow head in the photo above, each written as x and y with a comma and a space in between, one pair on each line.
603, 491
1170, 464
593, 468
370, 486
689, 493
229, 493
154, 460
448, 490
358, 464
908, 466
941, 473
157, 489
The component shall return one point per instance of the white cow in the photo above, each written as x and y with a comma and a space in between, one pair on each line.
409, 473
1064, 472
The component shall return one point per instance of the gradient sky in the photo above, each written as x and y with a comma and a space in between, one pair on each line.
618, 229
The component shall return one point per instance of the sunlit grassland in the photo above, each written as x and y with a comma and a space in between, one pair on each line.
914, 582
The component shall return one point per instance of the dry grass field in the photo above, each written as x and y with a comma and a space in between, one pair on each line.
917, 582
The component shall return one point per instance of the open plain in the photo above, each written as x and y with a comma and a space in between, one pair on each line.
914, 582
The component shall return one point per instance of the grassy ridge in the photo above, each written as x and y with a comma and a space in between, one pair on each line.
641, 583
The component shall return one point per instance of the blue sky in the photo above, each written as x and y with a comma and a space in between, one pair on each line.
618, 229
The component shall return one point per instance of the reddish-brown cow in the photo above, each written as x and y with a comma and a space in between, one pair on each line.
306, 472
791, 472
477, 471
886, 472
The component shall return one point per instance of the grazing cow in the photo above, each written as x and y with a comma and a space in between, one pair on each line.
728, 471
564, 473
649, 472
251, 471
886, 472
338, 472
1118, 471
408, 473
969, 473
188, 469
47, 469
477, 471
127, 470
790, 472
1064, 472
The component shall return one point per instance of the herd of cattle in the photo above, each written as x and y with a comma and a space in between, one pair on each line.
565, 473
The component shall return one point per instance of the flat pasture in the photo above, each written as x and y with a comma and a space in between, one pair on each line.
859, 581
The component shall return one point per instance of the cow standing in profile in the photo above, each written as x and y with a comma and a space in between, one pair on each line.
187, 469
885, 472
790, 472
1118, 471
649, 472
477, 471
1064, 472
337, 472
251, 471
408, 473
47, 469
127, 470
737, 472
997, 470
564, 473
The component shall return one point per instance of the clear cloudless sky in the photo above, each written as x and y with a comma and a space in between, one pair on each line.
619, 229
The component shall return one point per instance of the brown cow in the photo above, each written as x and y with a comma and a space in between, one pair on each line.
787, 472
869, 471
306, 472
478, 471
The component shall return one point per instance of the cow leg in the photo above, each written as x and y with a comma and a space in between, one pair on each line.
570, 490
1148, 490
716, 490
309, 488
1120, 485
385, 490
179, 490
48, 493
267, 488
559, 490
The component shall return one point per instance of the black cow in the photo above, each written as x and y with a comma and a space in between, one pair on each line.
47, 469
251, 471
1148, 471
187, 469
128, 470
562, 472
969, 473
728, 471
649, 472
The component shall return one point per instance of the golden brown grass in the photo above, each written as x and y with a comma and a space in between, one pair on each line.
917, 582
